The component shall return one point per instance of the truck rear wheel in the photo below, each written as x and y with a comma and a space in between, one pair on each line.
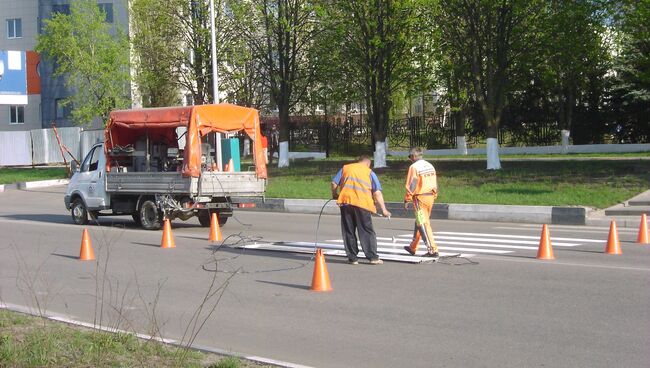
204, 218
150, 216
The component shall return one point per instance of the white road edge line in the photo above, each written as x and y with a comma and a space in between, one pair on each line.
69, 320
513, 236
554, 228
481, 242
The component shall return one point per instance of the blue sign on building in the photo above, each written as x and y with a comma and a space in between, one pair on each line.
13, 78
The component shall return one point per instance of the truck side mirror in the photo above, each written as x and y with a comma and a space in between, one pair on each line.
74, 167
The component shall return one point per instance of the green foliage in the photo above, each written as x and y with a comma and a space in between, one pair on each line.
631, 91
94, 61
280, 34
157, 46
381, 51
228, 362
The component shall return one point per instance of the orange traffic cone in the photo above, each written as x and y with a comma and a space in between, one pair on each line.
545, 250
321, 279
231, 166
643, 237
168, 237
226, 168
613, 245
86, 253
215, 230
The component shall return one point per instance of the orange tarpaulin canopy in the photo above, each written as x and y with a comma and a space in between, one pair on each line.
126, 126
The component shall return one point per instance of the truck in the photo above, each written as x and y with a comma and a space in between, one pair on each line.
164, 163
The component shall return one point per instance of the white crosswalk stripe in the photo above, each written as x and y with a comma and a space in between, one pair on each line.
449, 244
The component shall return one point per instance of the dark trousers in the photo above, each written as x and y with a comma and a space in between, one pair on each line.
357, 220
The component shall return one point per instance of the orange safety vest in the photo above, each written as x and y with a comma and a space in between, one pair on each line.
421, 179
356, 187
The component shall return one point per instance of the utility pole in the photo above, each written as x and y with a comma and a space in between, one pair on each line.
215, 82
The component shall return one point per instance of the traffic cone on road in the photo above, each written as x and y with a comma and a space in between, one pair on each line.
545, 250
86, 253
215, 230
231, 166
321, 279
168, 237
643, 237
613, 245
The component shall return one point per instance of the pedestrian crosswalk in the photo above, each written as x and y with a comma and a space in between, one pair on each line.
461, 244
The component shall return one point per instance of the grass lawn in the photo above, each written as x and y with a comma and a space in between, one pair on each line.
14, 175
594, 183
27, 341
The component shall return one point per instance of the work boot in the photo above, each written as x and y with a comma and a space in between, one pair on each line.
430, 254
376, 261
408, 249
353, 262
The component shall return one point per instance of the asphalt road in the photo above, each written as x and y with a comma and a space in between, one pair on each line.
585, 309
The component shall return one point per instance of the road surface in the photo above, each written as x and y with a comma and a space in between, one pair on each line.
585, 309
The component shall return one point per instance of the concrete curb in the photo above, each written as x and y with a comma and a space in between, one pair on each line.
42, 183
33, 184
467, 212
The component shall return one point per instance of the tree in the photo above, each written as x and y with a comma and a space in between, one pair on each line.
95, 62
496, 38
156, 46
380, 40
631, 92
574, 52
281, 32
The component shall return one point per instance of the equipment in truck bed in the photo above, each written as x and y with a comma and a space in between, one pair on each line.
152, 132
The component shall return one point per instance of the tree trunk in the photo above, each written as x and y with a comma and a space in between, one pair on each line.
567, 103
380, 131
492, 151
459, 122
283, 154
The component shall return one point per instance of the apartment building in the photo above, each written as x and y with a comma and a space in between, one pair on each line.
21, 21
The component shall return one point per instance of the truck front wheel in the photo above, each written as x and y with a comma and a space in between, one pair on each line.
79, 212
150, 216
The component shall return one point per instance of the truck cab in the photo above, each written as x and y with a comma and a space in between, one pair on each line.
86, 189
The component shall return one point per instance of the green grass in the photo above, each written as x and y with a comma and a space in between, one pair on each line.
14, 175
27, 341
594, 183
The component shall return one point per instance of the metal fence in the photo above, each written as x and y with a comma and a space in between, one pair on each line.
40, 146
355, 135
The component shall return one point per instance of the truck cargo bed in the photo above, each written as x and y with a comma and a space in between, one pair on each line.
213, 184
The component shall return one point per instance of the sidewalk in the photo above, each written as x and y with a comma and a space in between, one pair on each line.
470, 212
626, 214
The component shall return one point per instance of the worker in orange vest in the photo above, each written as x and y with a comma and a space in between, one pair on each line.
359, 190
422, 190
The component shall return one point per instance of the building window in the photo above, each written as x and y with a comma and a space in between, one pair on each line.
107, 9
62, 108
61, 9
14, 28
17, 114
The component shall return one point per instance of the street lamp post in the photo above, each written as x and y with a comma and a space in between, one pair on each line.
215, 80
